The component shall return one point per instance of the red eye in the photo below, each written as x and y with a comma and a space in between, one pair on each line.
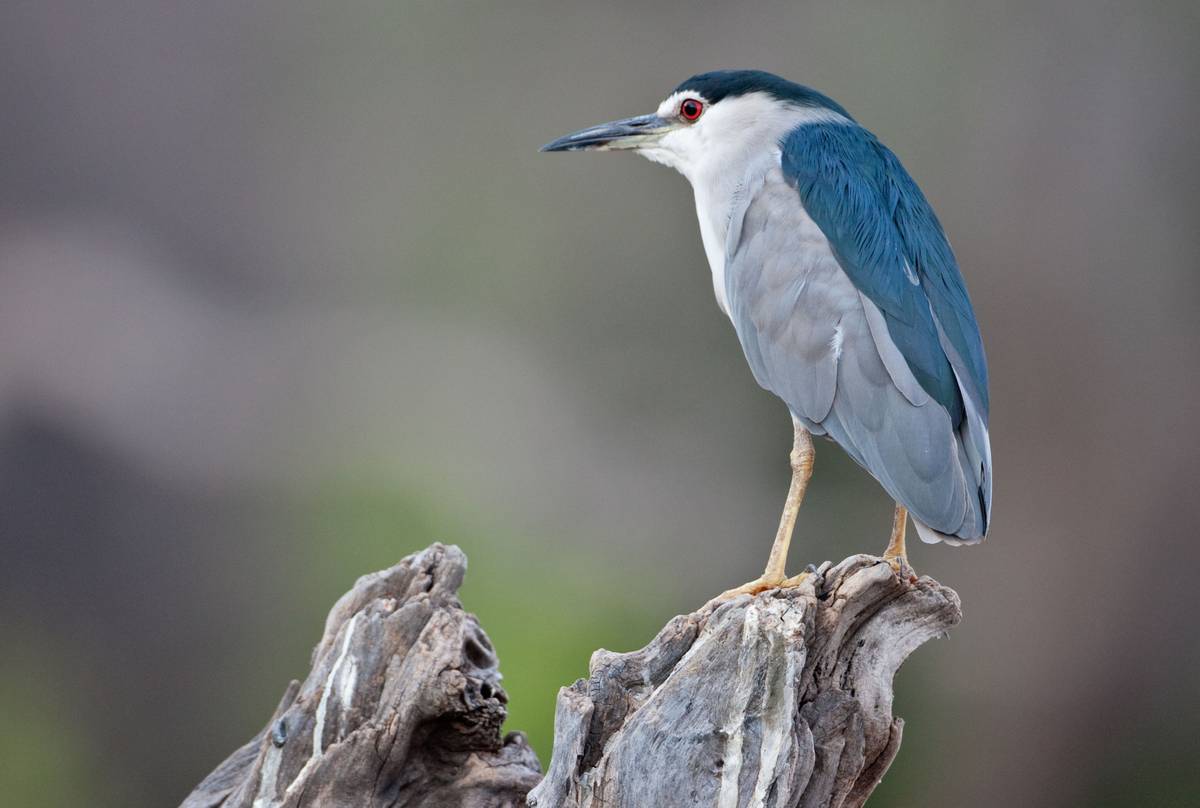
690, 109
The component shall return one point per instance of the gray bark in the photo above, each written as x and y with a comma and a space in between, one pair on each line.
781, 699
402, 707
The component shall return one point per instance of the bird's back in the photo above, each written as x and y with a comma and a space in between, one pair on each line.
814, 336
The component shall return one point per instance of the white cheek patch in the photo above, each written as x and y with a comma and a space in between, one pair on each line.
658, 155
665, 151
676, 149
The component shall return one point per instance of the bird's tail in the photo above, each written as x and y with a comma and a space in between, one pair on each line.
931, 536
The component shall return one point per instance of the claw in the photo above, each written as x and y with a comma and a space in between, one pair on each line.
901, 567
798, 580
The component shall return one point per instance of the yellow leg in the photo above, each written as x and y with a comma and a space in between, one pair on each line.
895, 554
774, 576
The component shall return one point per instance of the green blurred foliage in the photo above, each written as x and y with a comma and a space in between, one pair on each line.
47, 758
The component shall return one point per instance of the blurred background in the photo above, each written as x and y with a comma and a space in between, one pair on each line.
287, 292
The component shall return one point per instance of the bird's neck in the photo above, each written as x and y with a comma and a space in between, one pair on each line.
722, 191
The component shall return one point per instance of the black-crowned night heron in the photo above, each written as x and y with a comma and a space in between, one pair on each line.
842, 288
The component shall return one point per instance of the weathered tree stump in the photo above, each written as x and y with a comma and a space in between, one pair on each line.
403, 707
779, 700
782, 699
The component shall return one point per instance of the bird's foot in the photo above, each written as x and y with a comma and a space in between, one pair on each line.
900, 566
764, 583
760, 584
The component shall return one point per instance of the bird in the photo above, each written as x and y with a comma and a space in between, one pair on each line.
843, 291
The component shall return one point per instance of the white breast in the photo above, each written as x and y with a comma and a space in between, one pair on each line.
721, 199
713, 229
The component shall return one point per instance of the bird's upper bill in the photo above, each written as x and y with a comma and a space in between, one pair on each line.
629, 133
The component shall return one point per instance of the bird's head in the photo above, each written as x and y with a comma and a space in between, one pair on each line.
711, 120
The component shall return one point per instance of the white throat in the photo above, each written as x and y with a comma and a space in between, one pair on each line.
725, 156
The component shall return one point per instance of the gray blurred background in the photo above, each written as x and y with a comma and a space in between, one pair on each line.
287, 292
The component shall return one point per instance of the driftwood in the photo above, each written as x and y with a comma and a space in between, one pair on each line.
781, 699
402, 707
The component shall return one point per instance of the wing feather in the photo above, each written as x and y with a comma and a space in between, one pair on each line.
889, 241
815, 336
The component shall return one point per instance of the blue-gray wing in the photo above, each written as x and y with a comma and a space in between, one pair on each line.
817, 341
889, 241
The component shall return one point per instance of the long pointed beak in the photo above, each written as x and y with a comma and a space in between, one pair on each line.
630, 133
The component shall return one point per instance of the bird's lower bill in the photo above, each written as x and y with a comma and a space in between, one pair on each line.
630, 133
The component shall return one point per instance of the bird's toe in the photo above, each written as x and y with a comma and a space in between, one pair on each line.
901, 567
